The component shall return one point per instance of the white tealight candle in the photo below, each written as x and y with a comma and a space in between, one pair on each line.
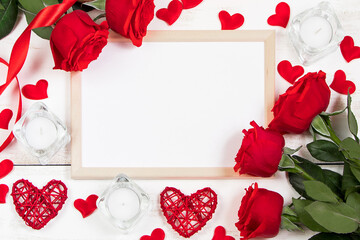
40, 133
123, 204
316, 31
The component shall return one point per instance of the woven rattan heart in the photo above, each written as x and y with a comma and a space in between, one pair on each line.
188, 214
38, 206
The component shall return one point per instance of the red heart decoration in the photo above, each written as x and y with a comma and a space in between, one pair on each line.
349, 50
86, 207
187, 4
36, 92
220, 234
288, 72
172, 13
230, 22
6, 166
157, 234
38, 206
188, 214
281, 16
341, 85
4, 189
5, 117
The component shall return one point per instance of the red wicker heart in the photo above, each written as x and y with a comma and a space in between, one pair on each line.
188, 214
38, 206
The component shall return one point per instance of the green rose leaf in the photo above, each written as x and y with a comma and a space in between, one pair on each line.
289, 151
288, 211
8, 16
353, 200
97, 4
334, 236
319, 191
349, 181
289, 225
351, 147
356, 172
296, 180
319, 125
305, 217
333, 180
338, 218
325, 114
286, 162
353, 127
31, 8
326, 151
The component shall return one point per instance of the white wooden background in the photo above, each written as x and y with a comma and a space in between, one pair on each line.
69, 223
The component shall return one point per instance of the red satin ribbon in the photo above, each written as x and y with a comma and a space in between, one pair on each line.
18, 115
46, 17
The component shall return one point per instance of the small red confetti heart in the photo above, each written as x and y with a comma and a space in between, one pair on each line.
188, 214
4, 189
172, 13
86, 207
187, 4
281, 16
220, 234
349, 50
36, 92
5, 117
288, 72
341, 85
6, 166
157, 234
230, 22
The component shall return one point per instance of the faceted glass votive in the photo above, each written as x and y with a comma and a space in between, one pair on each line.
41, 132
124, 203
315, 33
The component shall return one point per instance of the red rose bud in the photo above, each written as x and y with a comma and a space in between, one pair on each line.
296, 108
260, 213
130, 18
260, 152
77, 40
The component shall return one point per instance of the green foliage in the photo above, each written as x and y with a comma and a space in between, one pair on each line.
335, 236
31, 8
353, 127
319, 125
97, 4
337, 218
326, 151
8, 16
320, 192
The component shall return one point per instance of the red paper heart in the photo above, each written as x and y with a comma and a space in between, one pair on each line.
230, 22
86, 207
341, 85
281, 16
288, 72
187, 4
220, 234
188, 214
4, 189
349, 50
172, 13
36, 92
157, 234
38, 206
5, 117
6, 166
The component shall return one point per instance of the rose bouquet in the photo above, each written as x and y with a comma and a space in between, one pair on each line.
329, 202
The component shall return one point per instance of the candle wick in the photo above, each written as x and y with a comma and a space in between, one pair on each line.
318, 31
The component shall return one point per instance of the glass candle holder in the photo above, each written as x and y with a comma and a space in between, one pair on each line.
315, 33
41, 132
124, 203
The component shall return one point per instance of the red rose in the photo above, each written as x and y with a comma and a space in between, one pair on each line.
260, 152
77, 40
260, 213
130, 18
297, 107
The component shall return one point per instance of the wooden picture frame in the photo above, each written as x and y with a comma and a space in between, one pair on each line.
267, 37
